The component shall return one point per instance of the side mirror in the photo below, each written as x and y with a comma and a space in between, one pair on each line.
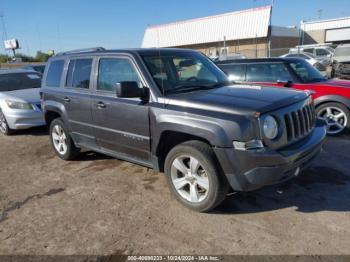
286, 83
129, 89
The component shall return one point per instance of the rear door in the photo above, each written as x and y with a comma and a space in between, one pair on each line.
77, 99
121, 125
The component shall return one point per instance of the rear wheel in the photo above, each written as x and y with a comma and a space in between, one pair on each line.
337, 117
4, 127
61, 140
194, 176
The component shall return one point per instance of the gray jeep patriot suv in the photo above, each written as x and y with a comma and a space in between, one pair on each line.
175, 111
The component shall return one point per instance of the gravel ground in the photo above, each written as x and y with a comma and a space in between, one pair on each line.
97, 205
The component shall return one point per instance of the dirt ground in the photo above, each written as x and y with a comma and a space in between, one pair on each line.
99, 205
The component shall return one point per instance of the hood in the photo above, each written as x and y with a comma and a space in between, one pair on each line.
335, 83
31, 95
239, 99
341, 59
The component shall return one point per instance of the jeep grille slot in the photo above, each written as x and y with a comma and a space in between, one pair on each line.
299, 123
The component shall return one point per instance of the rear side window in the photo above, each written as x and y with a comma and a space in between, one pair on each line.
54, 73
235, 72
309, 50
114, 70
265, 72
11, 82
78, 74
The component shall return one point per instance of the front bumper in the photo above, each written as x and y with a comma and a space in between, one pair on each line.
22, 119
253, 169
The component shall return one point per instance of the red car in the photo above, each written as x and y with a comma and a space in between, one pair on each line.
331, 97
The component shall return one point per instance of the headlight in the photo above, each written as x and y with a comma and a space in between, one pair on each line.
19, 105
270, 127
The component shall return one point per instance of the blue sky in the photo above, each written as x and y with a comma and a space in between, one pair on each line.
71, 24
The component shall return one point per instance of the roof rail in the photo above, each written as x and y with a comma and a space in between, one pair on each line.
82, 50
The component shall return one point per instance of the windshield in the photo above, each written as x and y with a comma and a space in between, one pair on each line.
306, 72
16, 81
330, 49
184, 72
342, 51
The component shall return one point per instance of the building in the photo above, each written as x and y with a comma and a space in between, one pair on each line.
336, 31
247, 32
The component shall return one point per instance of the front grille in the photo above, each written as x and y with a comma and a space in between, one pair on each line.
299, 123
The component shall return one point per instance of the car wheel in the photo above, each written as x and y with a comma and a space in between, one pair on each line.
61, 141
194, 176
337, 117
4, 127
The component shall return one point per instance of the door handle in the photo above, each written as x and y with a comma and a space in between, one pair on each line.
101, 105
67, 99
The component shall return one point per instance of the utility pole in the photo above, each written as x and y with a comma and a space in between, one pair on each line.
4, 34
270, 29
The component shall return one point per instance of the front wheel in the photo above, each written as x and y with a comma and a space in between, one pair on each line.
337, 117
61, 141
194, 176
4, 127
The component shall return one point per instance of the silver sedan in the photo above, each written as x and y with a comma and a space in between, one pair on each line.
20, 106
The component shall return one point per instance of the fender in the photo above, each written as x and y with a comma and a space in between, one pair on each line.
50, 105
218, 132
332, 98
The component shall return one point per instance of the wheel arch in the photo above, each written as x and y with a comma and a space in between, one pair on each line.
168, 140
332, 99
53, 110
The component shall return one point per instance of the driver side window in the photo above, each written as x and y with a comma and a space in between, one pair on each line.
114, 70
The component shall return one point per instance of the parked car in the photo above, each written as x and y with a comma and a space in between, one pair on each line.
331, 97
341, 62
319, 65
20, 106
173, 110
319, 52
35, 67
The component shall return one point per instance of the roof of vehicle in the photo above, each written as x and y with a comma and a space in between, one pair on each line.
301, 53
260, 60
16, 71
140, 51
31, 65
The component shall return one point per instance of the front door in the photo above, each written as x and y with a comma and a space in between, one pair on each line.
121, 125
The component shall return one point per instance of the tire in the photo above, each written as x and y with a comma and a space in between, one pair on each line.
61, 141
206, 173
4, 127
331, 112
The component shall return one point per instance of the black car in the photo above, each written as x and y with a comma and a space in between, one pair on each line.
35, 67
175, 111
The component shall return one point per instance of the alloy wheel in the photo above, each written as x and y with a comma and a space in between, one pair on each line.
59, 139
3, 123
189, 178
336, 119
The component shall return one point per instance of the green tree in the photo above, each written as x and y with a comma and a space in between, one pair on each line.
25, 58
3, 58
41, 57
